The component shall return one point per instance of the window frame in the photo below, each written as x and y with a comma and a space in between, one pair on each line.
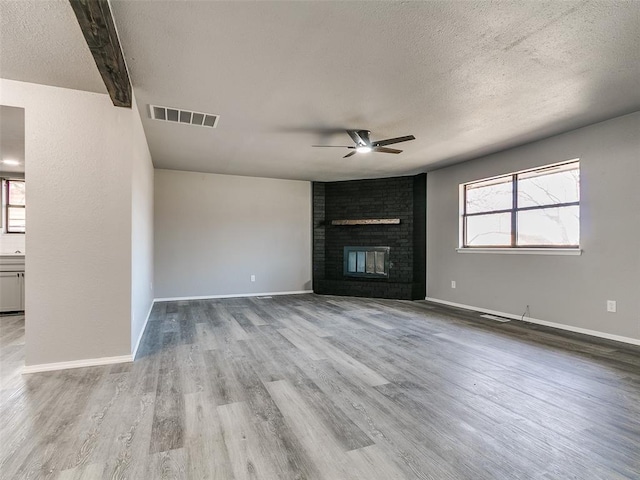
6, 186
513, 211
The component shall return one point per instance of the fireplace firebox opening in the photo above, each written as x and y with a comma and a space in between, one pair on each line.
370, 262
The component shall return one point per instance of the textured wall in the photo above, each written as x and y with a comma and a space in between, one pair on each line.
78, 269
141, 230
397, 197
212, 232
570, 290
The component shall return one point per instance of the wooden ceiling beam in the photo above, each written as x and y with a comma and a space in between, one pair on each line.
96, 23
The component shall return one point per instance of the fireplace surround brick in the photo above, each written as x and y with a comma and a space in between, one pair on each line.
396, 197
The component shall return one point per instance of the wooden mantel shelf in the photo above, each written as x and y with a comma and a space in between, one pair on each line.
368, 221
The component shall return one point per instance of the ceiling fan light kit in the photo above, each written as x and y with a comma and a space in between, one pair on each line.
364, 145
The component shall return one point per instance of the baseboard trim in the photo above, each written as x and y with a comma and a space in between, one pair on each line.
234, 295
144, 327
560, 326
89, 362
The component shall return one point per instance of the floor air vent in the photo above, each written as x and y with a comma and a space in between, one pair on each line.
176, 115
493, 317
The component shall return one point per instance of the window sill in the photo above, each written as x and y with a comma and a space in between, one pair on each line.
523, 251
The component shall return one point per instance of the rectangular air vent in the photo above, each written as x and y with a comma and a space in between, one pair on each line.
493, 317
176, 115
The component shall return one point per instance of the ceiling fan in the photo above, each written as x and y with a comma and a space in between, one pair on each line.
364, 145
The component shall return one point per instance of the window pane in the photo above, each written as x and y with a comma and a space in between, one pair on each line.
371, 262
380, 262
16, 192
549, 226
490, 195
360, 268
16, 219
550, 187
352, 262
489, 230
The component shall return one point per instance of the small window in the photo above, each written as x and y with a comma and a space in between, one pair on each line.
531, 209
14, 211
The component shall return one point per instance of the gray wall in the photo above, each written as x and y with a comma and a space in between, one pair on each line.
569, 290
78, 265
212, 232
141, 232
89, 233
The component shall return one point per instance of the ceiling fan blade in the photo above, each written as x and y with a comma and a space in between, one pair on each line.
386, 150
390, 141
333, 146
360, 137
349, 154
354, 136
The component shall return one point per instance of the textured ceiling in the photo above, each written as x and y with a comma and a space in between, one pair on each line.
466, 78
41, 42
11, 138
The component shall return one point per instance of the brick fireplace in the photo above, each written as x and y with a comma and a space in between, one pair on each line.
377, 228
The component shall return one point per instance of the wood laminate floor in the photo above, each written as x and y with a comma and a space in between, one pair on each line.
310, 387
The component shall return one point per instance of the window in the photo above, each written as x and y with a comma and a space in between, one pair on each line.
14, 206
531, 209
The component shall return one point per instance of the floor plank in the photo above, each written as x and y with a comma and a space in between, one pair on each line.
312, 387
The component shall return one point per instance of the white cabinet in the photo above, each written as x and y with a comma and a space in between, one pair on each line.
11, 291
11, 283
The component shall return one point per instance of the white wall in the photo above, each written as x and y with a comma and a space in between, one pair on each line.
568, 290
141, 232
79, 155
212, 232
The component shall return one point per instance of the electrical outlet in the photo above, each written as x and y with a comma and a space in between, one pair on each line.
453, 284
253, 278
611, 306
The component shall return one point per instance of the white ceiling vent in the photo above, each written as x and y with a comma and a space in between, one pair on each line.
168, 114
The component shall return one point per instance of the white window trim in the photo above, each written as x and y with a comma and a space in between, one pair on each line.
509, 250
522, 251
3, 203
